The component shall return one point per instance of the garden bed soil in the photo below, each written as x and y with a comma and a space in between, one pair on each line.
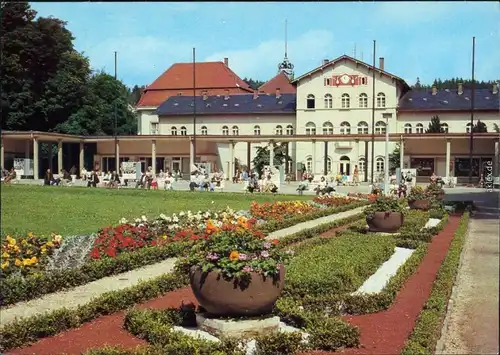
381, 333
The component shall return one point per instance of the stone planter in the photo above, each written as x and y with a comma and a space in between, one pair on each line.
222, 297
386, 222
420, 204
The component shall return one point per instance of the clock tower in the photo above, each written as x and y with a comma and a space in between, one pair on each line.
286, 66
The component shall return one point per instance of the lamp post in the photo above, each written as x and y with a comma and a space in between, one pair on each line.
386, 170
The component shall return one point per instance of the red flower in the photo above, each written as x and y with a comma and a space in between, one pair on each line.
95, 254
111, 252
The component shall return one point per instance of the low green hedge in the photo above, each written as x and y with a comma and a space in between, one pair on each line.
427, 330
17, 289
30, 329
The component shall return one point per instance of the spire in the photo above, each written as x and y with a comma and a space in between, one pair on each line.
285, 66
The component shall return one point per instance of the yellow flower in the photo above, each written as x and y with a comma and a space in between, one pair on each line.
18, 262
26, 262
43, 249
5, 254
30, 235
164, 236
50, 244
11, 241
5, 264
34, 260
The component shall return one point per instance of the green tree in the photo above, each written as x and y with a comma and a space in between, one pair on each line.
480, 127
496, 128
394, 158
254, 84
263, 156
435, 125
135, 94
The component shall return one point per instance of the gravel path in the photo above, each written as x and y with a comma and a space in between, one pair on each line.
471, 325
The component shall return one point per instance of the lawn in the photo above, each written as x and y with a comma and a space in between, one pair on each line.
69, 211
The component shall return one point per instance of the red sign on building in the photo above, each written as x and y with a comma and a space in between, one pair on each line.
346, 80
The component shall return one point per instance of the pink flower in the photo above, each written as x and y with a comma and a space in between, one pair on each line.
247, 269
264, 254
267, 245
243, 257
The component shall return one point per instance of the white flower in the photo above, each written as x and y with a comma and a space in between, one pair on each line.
144, 219
213, 202
175, 219
168, 219
181, 213
137, 220
123, 221
162, 216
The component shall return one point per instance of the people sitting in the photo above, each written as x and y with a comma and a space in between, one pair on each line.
83, 174
11, 176
50, 180
65, 177
303, 186
253, 184
168, 182
402, 189
93, 179
114, 180
141, 182
323, 187
270, 186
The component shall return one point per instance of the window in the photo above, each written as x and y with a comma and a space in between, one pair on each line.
236, 131
380, 127
364, 81
310, 102
328, 164
467, 127
380, 99
362, 127
419, 128
361, 165
328, 101
327, 128
256, 130
363, 100
154, 127
279, 130
310, 129
309, 164
289, 130
379, 164
173, 131
407, 128
183, 131
225, 130
445, 127
346, 101
345, 128
204, 130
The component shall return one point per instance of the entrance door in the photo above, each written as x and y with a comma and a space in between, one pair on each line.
345, 165
167, 165
176, 165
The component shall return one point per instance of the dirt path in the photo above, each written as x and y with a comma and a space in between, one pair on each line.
471, 325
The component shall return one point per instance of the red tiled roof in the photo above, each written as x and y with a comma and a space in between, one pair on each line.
281, 82
213, 77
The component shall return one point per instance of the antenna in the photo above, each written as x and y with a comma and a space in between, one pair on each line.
361, 56
286, 37
354, 50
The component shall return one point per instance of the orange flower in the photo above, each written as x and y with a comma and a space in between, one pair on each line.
275, 241
211, 228
234, 255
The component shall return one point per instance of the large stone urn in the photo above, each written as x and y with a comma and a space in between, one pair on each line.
419, 204
222, 297
386, 222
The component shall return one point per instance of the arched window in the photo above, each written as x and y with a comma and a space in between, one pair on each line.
327, 128
445, 127
173, 131
310, 129
379, 164
407, 128
309, 164
328, 101
380, 127
279, 130
256, 130
419, 128
204, 130
225, 130
310, 102
363, 100
380, 99
183, 131
362, 127
467, 127
346, 101
345, 128
236, 131
289, 130
361, 165
328, 165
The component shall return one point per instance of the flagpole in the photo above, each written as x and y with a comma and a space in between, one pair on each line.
373, 116
115, 125
194, 106
472, 99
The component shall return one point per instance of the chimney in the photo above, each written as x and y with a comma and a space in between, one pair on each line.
460, 88
381, 63
278, 93
226, 62
325, 61
434, 90
226, 95
255, 95
495, 88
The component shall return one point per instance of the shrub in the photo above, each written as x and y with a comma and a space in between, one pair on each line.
418, 193
327, 333
280, 344
384, 204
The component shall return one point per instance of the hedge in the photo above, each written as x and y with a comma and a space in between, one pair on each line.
427, 330
17, 289
27, 330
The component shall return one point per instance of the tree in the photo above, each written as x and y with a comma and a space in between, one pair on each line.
394, 158
254, 84
435, 126
263, 155
135, 94
453, 84
496, 128
480, 127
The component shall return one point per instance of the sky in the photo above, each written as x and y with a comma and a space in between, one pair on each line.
417, 39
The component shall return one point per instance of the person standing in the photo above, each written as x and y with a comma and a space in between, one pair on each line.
355, 175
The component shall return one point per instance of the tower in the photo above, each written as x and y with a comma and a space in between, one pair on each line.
285, 66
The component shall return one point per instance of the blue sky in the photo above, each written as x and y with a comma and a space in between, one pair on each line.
418, 39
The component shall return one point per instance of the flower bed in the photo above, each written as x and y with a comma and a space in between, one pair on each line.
370, 197
333, 201
280, 210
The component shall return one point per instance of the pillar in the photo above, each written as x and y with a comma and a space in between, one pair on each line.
249, 155
59, 156
448, 157
313, 157
402, 154
81, 158
496, 163
191, 155
231, 159
271, 154
117, 162
365, 172
35, 158
153, 155
2, 156
325, 160
356, 154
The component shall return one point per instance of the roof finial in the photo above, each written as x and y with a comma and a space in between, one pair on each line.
286, 37
355, 51
286, 67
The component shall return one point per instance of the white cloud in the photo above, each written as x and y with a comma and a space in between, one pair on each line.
261, 62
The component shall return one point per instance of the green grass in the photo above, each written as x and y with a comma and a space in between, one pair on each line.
337, 265
68, 211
